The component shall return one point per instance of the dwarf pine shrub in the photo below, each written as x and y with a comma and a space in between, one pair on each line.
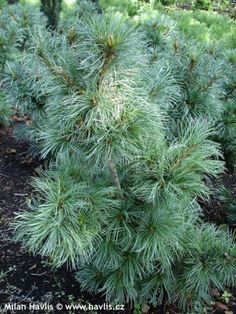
207, 27
203, 4
203, 75
118, 202
16, 23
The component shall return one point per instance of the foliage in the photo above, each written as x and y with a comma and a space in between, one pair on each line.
126, 6
118, 202
8, 37
202, 76
2, 4
226, 296
63, 217
207, 27
132, 7
16, 23
213, 70
21, 84
168, 2
203, 4
228, 200
18, 20
227, 135
68, 18
5, 110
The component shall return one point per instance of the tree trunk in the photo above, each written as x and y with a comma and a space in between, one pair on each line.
52, 10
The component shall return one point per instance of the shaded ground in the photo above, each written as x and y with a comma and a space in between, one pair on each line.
24, 278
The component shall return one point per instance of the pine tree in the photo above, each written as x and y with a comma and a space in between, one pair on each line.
119, 200
16, 23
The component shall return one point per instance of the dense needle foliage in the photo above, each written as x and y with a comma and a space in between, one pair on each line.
16, 23
203, 77
129, 113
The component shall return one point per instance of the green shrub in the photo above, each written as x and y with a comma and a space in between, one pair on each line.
203, 4
118, 201
205, 76
227, 198
205, 72
5, 110
207, 27
168, 2
125, 6
16, 23
2, 4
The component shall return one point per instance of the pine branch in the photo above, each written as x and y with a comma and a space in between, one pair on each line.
213, 80
185, 154
58, 71
115, 176
109, 55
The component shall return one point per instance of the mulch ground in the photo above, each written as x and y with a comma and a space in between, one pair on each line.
28, 279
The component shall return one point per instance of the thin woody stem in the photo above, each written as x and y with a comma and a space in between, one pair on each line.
114, 174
